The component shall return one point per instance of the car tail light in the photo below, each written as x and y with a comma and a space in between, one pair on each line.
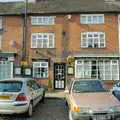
21, 97
75, 109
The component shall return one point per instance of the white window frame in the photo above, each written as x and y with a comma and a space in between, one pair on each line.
6, 69
36, 42
42, 20
1, 41
39, 65
91, 17
110, 72
85, 41
1, 22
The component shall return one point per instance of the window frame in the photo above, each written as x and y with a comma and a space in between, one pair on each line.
85, 41
86, 20
40, 66
100, 66
42, 40
43, 22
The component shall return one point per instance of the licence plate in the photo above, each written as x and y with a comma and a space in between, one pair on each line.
4, 97
101, 117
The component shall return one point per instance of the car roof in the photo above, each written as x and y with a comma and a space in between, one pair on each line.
17, 79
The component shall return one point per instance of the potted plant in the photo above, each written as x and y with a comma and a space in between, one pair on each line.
49, 85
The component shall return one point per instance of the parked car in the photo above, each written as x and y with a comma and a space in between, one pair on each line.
90, 99
116, 90
19, 95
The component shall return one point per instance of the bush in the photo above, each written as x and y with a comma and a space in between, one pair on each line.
49, 83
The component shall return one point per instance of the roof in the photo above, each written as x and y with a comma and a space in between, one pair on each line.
58, 7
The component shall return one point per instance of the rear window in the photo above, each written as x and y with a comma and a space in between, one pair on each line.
10, 86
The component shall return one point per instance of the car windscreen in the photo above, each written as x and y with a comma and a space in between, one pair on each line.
88, 86
10, 86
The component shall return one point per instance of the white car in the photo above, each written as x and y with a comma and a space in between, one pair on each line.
19, 95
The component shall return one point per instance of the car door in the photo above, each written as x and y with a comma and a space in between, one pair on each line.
31, 90
38, 92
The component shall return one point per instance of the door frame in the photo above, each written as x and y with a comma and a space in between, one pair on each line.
64, 75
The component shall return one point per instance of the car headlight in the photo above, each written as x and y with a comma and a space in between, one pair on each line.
86, 110
114, 109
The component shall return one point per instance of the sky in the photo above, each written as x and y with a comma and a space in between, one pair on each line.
10, 0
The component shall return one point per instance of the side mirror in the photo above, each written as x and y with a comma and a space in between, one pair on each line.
66, 91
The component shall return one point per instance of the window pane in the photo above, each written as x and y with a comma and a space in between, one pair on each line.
83, 19
40, 71
33, 45
94, 19
51, 44
100, 19
89, 19
40, 43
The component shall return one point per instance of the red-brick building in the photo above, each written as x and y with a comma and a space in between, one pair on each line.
56, 31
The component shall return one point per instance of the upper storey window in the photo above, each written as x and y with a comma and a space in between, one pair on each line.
92, 18
43, 20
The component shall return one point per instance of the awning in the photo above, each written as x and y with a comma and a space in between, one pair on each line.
96, 55
7, 54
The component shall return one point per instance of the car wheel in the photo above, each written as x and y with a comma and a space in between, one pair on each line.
43, 97
113, 93
30, 110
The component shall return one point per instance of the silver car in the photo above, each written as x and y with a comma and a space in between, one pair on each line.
20, 95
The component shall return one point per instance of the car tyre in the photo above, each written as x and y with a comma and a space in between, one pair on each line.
113, 93
30, 110
43, 97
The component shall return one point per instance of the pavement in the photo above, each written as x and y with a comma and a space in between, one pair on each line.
55, 94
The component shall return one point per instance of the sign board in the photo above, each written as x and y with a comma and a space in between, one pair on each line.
70, 70
22, 71
23, 63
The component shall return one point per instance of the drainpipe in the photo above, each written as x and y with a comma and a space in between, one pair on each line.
24, 31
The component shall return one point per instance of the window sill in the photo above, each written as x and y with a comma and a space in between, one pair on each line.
42, 78
92, 48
